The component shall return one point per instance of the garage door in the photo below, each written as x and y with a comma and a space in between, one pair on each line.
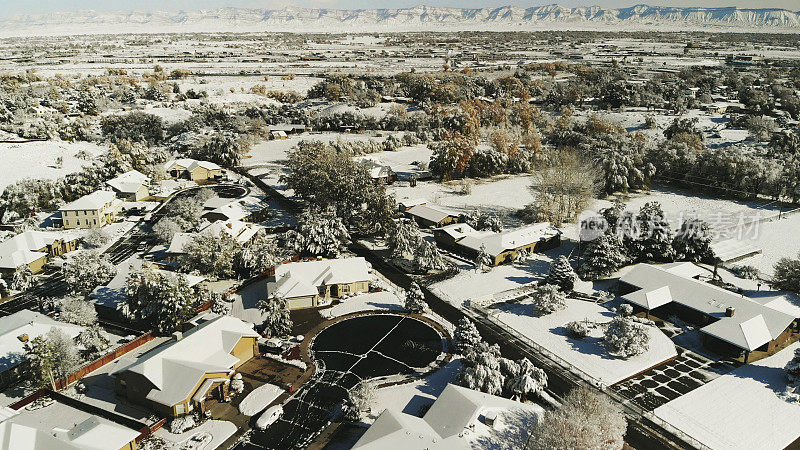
299, 303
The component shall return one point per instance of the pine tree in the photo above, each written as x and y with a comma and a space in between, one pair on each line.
655, 235
23, 279
211, 254
359, 401
482, 369
321, 233
465, 336
427, 257
693, 241
404, 239
527, 379
277, 321
415, 299
482, 260
793, 368
601, 257
561, 274
86, 270
164, 301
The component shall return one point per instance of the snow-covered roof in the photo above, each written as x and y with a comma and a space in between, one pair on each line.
443, 427
94, 201
20, 250
32, 324
179, 241
190, 164
236, 209
176, 367
407, 203
129, 182
497, 243
301, 279
751, 325
431, 213
731, 249
59, 426
458, 231
241, 231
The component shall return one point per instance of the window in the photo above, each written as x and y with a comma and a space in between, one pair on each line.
179, 409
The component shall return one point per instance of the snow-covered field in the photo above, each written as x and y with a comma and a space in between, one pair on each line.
38, 159
588, 355
741, 409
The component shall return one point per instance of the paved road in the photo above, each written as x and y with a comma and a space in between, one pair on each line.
136, 240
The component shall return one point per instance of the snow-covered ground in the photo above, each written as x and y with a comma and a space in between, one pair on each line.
401, 160
372, 301
272, 151
259, 399
38, 159
207, 436
409, 397
588, 355
741, 409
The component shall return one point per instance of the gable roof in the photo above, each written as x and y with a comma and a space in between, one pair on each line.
94, 201
301, 279
443, 426
497, 243
30, 323
20, 250
176, 367
431, 213
767, 324
129, 182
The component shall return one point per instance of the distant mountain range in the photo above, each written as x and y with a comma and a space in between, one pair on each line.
640, 17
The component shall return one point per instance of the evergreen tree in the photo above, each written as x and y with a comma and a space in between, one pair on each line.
793, 367
482, 369
51, 356
321, 233
786, 275
561, 274
86, 270
427, 258
277, 321
601, 257
548, 298
693, 242
164, 301
527, 379
404, 239
465, 336
23, 279
655, 235
482, 260
211, 254
257, 256
415, 299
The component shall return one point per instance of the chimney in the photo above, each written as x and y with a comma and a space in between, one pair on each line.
729, 311
177, 336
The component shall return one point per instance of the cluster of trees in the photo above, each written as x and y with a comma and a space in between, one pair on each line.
406, 243
487, 371
162, 301
626, 238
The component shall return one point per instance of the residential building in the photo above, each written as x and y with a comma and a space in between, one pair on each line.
502, 247
305, 284
130, 186
408, 203
379, 173
61, 426
192, 169
242, 232
191, 370
428, 216
95, 210
232, 209
32, 248
18, 329
456, 420
731, 323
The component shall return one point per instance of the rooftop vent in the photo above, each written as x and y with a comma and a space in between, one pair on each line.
177, 336
729, 311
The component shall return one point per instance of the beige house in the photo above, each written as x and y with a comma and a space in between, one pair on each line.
501, 247
32, 248
130, 186
192, 169
95, 210
306, 284
190, 370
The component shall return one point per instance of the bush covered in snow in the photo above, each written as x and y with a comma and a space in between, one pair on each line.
561, 274
579, 329
626, 337
547, 298
359, 401
237, 384
77, 311
415, 299
746, 272
180, 424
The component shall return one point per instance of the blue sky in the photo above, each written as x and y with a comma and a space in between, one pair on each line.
11, 7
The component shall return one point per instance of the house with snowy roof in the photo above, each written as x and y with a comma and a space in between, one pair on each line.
232, 209
15, 331
428, 216
131, 186
240, 231
32, 248
95, 210
182, 374
731, 323
305, 284
502, 247
192, 169
460, 418
59, 426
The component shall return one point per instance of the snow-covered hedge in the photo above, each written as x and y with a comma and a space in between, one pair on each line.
181, 424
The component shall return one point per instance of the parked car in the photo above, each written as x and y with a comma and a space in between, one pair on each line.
269, 417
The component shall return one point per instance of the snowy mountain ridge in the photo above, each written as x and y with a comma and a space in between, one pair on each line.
640, 17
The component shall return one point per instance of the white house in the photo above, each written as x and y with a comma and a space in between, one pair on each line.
91, 211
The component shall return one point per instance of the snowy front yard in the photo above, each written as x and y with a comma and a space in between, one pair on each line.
588, 355
741, 409
208, 436
39, 159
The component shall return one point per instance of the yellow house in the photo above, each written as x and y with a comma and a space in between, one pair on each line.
32, 248
305, 284
194, 170
192, 369
95, 210
130, 186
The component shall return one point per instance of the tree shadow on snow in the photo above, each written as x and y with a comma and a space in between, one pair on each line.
590, 345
